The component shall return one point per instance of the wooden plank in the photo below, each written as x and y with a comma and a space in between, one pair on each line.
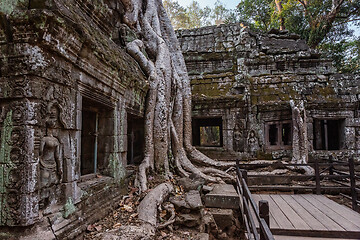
294, 218
350, 214
311, 221
280, 237
338, 218
320, 216
273, 223
279, 216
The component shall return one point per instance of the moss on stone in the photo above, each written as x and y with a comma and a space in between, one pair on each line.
6, 166
117, 170
8, 6
263, 156
69, 208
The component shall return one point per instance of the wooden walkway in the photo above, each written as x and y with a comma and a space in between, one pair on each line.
309, 215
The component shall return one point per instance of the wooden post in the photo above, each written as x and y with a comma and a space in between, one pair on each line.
317, 176
245, 176
353, 184
331, 168
264, 213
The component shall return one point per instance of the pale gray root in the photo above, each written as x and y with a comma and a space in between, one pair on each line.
300, 140
168, 108
180, 154
170, 208
147, 208
217, 172
194, 154
134, 49
144, 232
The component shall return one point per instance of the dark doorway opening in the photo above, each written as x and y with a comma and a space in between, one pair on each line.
97, 137
329, 134
136, 140
207, 132
89, 134
278, 135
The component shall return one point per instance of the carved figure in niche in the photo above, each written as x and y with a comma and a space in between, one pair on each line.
253, 143
238, 138
50, 158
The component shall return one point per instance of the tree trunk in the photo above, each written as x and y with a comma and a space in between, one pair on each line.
168, 107
300, 140
279, 8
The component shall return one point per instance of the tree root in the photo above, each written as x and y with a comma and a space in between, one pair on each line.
218, 173
148, 206
170, 208
168, 106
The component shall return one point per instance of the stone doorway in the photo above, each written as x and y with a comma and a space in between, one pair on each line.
89, 142
135, 153
207, 132
329, 134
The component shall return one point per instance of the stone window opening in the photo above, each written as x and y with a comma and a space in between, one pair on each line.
207, 132
278, 135
329, 134
96, 137
136, 140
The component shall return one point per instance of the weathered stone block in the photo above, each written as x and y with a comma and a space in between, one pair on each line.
223, 217
188, 220
222, 196
193, 199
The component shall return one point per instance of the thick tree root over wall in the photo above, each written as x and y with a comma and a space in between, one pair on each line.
168, 106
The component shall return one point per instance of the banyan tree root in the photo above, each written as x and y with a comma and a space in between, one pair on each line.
170, 208
300, 140
168, 105
148, 207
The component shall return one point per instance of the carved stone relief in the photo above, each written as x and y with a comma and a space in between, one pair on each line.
253, 143
50, 157
238, 142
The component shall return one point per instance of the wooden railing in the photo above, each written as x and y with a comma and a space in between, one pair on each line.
249, 209
341, 173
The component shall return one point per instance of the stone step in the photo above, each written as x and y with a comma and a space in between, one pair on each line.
222, 196
223, 217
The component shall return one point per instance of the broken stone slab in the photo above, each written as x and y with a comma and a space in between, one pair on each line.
208, 224
193, 199
188, 220
193, 183
207, 189
179, 202
222, 196
201, 236
223, 217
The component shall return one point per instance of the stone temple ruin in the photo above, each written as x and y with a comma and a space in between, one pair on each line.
243, 83
72, 105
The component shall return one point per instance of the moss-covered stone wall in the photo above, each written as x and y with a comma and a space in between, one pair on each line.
265, 71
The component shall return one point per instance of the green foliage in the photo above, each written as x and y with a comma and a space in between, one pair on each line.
324, 24
345, 54
255, 13
193, 16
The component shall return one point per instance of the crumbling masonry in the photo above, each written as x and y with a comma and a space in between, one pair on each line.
72, 105
244, 82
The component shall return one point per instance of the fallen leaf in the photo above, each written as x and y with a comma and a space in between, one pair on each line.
133, 215
98, 228
117, 225
90, 228
163, 213
163, 234
127, 208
